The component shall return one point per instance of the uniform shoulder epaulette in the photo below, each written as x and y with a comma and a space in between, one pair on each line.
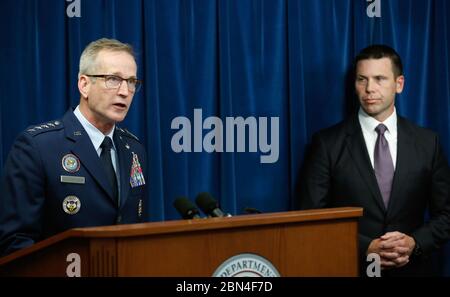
128, 133
44, 127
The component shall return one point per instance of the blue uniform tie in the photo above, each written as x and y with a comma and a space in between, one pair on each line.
105, 156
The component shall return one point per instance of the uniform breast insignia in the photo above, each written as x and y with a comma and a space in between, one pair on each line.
70, 163
136, 175
71, 204
70, 179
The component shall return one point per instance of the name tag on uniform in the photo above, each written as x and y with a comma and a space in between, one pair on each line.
72, 179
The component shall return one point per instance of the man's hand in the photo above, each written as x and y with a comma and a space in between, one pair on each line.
394, 249
375, 247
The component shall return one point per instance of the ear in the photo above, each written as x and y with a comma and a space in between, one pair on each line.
84, 85
399, 84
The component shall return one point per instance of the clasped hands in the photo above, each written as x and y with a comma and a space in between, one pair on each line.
394, 249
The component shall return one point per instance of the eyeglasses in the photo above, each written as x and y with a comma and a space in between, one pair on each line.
114, 81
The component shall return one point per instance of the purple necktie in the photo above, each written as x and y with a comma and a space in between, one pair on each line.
384, 167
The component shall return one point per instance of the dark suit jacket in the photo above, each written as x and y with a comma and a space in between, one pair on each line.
32, 192
338, 172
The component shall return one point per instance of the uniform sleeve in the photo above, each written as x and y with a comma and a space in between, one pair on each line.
22, 196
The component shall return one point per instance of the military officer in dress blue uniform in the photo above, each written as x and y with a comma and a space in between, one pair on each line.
82, 170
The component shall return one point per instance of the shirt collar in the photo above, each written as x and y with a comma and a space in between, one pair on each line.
94, 134
368, 123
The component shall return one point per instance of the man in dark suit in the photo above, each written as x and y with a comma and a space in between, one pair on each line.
392, 168
81, 170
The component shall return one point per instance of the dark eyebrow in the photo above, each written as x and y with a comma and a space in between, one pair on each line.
375, 76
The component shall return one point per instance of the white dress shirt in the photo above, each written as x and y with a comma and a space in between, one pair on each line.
368, 125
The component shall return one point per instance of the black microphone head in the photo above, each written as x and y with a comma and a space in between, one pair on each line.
252, 210
206, 203
186, 208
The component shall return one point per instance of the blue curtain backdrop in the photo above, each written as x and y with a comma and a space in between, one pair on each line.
229, 58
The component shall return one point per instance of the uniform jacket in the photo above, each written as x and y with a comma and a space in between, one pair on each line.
54, 180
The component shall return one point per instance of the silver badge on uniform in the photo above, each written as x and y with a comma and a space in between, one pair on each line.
70, 163
71, 204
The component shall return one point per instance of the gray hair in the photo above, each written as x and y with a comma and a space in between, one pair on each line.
89, 55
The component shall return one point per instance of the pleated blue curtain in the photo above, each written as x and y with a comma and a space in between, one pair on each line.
288, 59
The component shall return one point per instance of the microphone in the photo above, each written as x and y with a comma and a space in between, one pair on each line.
186, 208
209, 205
252, 210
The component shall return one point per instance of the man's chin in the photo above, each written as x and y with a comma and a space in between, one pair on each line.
378, 113
118, 117
372, 111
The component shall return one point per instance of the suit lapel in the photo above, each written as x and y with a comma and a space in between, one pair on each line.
125, 158
84, 150
405, 144
358, 150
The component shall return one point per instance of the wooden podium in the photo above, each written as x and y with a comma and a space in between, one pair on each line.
321, 242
